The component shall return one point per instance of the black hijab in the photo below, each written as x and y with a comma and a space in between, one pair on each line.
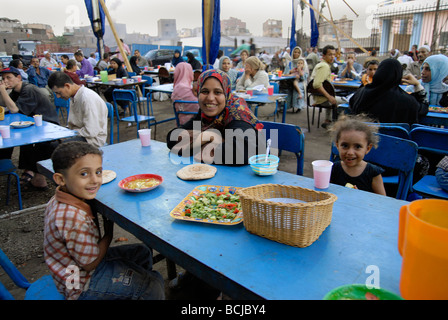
383, 99
121, 72
135, 68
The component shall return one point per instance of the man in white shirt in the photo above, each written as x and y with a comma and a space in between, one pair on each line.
92, 59
88, 111
48, 62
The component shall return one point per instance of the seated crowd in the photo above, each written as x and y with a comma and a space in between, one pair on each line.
221, 130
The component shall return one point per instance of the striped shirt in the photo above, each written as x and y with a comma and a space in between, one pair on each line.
70, 242
443, 163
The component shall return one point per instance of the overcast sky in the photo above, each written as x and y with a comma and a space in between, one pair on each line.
142, 15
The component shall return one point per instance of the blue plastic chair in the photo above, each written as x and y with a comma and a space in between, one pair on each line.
131, 74
434, 140
289, 138
395, 153
276, 86
177, 112
62, 106
131, 96
7, 168
42, 289
110, 115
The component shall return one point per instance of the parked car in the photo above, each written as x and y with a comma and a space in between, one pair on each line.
196, 53
6, 60
159, 56
57, 56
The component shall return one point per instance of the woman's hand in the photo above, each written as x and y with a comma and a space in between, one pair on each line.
208, 140
409, 79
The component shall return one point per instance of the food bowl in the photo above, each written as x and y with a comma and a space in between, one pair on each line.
360, 292
140, 182
261, 168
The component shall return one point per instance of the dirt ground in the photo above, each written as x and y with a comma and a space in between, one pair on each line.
21, 231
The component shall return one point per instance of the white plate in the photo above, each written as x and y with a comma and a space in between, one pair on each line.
21, 124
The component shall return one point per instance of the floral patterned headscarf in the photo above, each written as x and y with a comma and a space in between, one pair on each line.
235, 109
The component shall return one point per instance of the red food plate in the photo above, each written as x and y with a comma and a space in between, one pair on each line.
122, 184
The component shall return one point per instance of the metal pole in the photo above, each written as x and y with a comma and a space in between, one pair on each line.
435, 33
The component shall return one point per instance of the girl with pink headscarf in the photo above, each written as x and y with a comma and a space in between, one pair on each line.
182, 90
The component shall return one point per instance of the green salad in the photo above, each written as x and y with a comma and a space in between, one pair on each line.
214, 206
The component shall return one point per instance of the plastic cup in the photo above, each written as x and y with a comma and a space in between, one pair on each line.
250, 92
38, 120
104, 77
145, 137
322, 173
279, 72
5, 131
125, 80
270, 90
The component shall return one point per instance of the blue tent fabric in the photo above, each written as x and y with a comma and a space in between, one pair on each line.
100, 32
292, 41
314, 28
215, 33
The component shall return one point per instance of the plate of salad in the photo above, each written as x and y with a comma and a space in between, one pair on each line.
210, 204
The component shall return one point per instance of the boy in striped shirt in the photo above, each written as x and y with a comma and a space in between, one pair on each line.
81, 262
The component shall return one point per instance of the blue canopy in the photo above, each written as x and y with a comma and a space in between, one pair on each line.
211, 32
314, 28
292, 41
97, 18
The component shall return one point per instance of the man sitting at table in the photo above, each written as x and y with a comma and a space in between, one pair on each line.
36, 74
88, 111
29, 100
322, 72
351, 69
141, 61
48, 62
86, 67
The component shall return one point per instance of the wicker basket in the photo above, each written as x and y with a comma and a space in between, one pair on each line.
294, 224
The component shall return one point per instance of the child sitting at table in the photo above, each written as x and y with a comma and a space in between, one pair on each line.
354, 138
81, 263
371, 68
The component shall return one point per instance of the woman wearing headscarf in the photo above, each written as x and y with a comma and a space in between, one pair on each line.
182, 90
225, 64
254, 75
135, 68
116, 67
299, 68
195, 64
224, 131
176, 58
384, 100
434, 70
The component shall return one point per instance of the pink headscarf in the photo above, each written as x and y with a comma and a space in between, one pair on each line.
182, 90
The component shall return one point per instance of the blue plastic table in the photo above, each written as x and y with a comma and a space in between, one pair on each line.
265, 98
361, 237
33, 134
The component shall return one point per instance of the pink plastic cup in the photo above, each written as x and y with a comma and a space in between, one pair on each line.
125, 80
250, 92
270, 90
322, 173
5, 131
145, 137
